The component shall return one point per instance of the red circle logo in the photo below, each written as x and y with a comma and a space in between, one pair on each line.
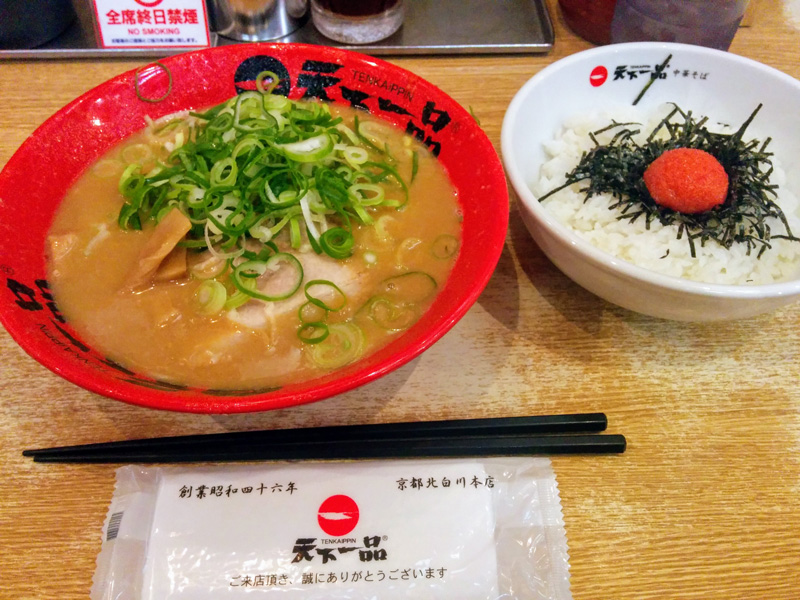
148, 3
598, 76
338, 515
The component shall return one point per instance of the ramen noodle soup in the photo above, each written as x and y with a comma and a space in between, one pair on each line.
257, 244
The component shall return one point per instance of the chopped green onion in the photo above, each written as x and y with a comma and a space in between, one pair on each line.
258, 166
380, 227
211, 296
107, 168
139, 92
311, 313
344, 344
314, 243
445, 246
210, 268
294, 233
308, 150
136, 153
474, 116
164, 129
275, 80
364, 138
355, 156
337, 242
221, 122
253, 166
131, 181
285, 277
386, 170
405, 249
318, 290
367, 194
239, 298
415, 286
129, 218
313, 333
224, 172
391, 316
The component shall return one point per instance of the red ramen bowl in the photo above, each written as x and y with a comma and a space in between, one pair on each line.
79, 134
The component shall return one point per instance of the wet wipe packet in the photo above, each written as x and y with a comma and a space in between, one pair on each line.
482, 529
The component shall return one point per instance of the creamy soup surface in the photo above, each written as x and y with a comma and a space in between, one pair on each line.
162, 327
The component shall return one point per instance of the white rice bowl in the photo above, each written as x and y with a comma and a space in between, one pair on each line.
546, 128
657, 247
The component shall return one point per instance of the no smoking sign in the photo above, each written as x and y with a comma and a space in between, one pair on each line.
151, 23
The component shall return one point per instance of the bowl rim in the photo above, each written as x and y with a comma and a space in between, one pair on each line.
597, 256
319, 388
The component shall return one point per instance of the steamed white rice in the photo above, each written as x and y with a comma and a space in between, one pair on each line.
658, 248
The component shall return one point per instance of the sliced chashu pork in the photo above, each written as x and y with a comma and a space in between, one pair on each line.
257, 314
258, 317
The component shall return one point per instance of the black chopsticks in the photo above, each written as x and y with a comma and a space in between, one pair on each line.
508, 436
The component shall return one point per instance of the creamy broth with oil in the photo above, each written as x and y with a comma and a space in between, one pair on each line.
166, 327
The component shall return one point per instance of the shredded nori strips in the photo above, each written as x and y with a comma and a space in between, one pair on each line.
618, 167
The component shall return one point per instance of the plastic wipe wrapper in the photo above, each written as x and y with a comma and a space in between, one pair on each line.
488, 529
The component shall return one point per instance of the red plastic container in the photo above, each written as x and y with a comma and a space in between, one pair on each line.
590, 19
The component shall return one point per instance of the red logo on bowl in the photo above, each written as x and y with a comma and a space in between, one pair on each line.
598, 76
338, 515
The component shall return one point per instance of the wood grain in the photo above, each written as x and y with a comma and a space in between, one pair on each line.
703, 505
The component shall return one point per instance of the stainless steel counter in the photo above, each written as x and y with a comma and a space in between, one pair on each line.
430, 27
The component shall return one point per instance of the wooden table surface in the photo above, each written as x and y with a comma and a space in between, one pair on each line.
705, 503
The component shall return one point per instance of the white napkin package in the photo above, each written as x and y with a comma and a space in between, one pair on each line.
488, 529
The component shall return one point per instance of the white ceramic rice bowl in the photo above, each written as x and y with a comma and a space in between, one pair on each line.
706, 81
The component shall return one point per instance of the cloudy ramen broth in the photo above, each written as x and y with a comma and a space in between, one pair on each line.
162, 327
